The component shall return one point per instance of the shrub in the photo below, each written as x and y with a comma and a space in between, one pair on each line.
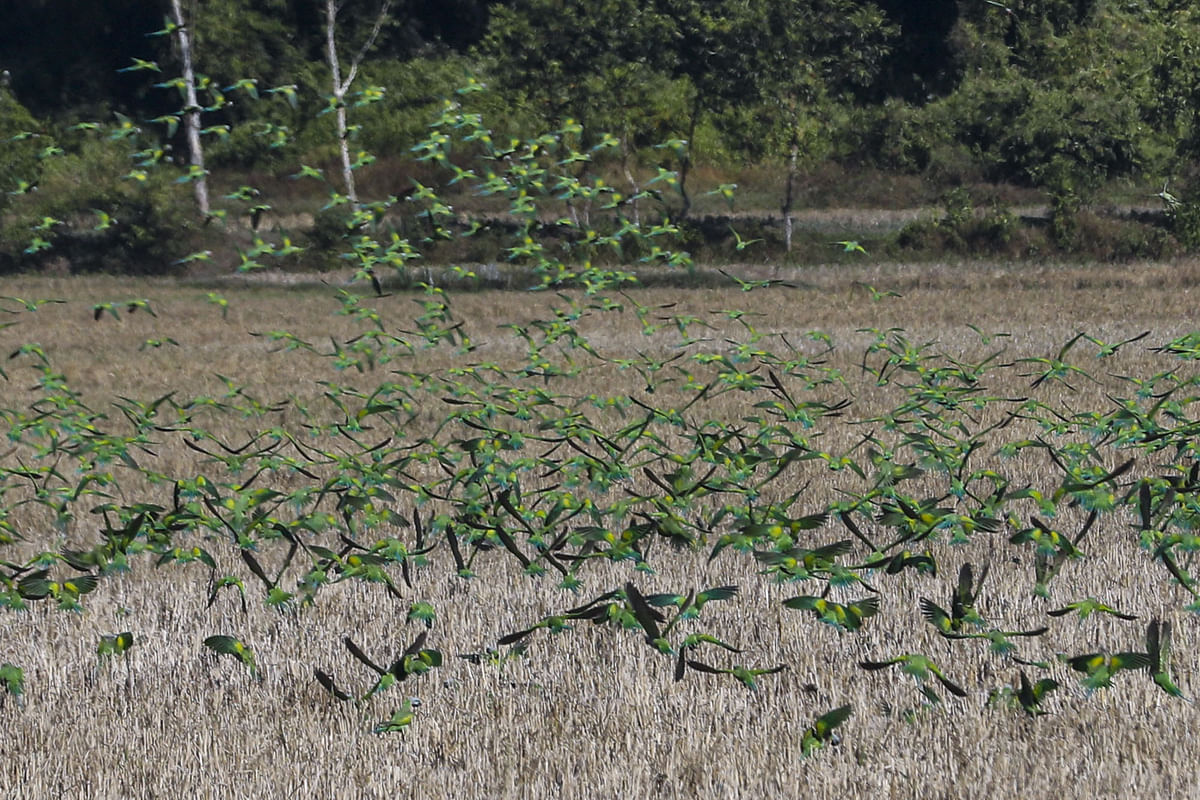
98, 219
1106, 238
994, 232
961, 230
1065, 205
896, 136
1184, 222
957, 204
19, 164
415, 91
327, 236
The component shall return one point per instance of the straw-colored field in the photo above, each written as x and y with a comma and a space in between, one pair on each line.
592, 712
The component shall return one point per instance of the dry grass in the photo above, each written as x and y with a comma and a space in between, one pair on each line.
594, 712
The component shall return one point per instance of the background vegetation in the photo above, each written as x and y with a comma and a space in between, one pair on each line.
1025, 129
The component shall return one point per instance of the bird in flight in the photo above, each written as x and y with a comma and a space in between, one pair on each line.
1158, 648
744, 674
740, 243
230, 646
919, 667
1098, 669
822, 731
1030, 695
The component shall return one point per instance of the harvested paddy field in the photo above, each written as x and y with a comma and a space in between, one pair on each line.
882, 532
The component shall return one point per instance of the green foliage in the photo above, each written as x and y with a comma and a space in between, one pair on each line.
234, 39
90, 212
1059, 95
20, 144
961, 229
567, 47
1184, 219
415, 91
958, 209
649, 71
1061, 91
330, 229
1065, 205
895, 136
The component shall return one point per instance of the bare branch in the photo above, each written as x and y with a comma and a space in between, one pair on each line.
340, 86
383, 12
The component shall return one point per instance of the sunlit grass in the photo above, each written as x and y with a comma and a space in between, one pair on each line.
594, 711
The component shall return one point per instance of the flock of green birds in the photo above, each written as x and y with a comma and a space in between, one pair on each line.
527, 463
547, 462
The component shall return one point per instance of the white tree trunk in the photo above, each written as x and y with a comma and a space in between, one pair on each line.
635, 190
789, 194
340, 87
191, 114
339, 96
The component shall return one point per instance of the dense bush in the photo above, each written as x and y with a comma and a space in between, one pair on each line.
415, 91
91, 213
1184, 221
962, 230
1108, 238
1059, 97
896, 137
19, 162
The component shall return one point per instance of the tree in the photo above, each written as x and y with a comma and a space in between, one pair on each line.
921, 63
575, 50
342, 85
64, 55
19, 164
816, 54
191, 111
707, 58
773, 55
